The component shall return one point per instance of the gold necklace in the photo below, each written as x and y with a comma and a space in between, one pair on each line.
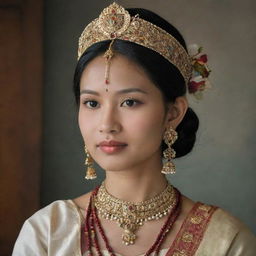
130, 216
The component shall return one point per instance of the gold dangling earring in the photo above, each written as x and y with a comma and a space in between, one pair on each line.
90, 172
170, 136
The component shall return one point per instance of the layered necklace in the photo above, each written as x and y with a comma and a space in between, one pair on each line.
129, 216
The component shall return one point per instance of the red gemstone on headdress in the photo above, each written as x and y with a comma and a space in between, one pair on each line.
130, 208
112, 35
113, 11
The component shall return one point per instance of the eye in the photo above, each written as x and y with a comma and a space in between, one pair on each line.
130, 103
91, 103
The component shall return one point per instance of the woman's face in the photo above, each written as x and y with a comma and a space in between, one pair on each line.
124, 126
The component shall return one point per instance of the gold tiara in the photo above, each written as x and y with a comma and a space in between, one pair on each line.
115, 22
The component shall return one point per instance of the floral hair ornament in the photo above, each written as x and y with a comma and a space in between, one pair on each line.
115, 22
199, 80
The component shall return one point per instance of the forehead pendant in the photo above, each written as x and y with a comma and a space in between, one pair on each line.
112, 22
108, 55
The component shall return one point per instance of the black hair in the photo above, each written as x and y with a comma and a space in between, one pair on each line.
162, 73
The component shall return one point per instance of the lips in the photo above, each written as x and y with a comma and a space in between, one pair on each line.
112, 143
112, 146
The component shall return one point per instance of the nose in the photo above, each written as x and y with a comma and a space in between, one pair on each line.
109, 123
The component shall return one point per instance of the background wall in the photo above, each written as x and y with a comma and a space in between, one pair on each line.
221, 168
21, 73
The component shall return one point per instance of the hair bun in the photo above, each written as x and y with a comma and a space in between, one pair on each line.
186, 133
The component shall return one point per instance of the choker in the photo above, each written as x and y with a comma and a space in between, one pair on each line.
130, 216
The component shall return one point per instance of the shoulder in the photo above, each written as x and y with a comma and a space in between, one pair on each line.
52, 217
218, 218
61, 210
56, 211
225, 233
226, 222
46, 229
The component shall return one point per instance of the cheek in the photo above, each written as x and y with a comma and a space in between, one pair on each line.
83, 123
80, 121
147, 128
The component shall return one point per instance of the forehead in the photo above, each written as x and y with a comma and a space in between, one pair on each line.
123, 73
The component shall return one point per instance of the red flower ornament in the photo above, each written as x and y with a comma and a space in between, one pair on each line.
199, 81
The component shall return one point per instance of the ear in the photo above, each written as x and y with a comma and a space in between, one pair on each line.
176, 112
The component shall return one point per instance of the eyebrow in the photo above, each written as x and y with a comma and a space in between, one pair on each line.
124, 91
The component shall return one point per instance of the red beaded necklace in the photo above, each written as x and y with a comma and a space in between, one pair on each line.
92, 223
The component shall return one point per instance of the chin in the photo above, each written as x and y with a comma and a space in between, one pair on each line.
115, 165
112, 168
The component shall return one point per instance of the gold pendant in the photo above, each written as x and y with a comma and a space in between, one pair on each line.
128, 237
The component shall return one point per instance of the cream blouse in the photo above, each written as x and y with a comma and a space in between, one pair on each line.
55, 230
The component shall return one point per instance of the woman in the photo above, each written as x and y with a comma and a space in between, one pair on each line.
130, 85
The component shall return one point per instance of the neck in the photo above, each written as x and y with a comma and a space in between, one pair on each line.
136, 184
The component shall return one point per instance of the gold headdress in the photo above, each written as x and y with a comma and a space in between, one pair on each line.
116, 23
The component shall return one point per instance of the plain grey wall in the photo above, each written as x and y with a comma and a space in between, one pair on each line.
221, 168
